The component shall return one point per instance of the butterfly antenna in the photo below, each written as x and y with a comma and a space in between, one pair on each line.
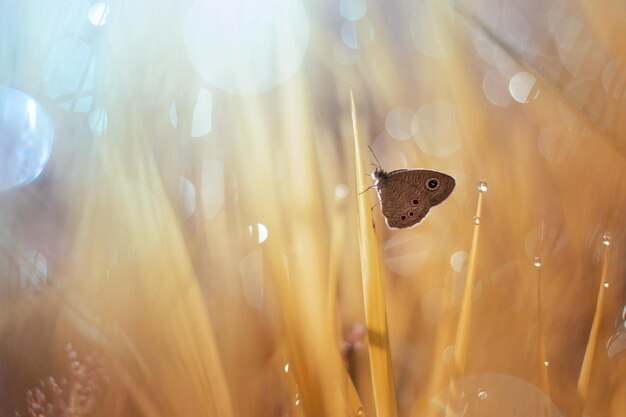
372, 151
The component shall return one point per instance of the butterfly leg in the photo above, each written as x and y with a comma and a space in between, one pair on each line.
368, 188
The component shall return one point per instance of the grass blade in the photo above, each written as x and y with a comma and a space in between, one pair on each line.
373, 292
585, 371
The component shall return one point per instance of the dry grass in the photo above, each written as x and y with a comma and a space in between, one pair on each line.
209, 314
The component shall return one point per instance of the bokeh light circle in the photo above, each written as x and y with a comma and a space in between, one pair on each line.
352, 9
496, 88
342, 191
522, 86
26, 138
399, 123
556, 143
246, 46
457, 260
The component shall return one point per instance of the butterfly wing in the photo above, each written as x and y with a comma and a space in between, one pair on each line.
406, 196
402, 204
438, 186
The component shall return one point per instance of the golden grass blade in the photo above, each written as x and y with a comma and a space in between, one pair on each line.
585, 370
542, 359
373, 292
463, 327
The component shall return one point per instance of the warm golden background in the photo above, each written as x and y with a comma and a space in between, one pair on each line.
196, 223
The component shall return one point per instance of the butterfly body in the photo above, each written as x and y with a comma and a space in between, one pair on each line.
406, 195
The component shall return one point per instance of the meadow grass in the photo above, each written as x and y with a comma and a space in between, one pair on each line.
266, 285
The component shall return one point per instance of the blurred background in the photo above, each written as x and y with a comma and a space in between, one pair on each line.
178, 224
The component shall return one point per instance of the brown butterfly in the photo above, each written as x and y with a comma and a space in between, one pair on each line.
406, 195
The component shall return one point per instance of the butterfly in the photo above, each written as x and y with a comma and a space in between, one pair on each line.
406, 195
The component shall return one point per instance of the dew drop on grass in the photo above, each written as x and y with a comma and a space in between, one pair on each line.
286, 368
476, 220
537, 262
606, 285
482, 394
546, 363
482, 186
606, 239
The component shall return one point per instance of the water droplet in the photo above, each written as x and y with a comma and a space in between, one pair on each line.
260, 229
476, 220
360, 412
606, 285
606, 239
482, 394
298, 398
546, 363
537, 262
482, 186
286, 368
